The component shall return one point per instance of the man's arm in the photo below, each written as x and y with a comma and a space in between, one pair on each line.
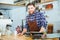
24, 31
25, 28
43, 23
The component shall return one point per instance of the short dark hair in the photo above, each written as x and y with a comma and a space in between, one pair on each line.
30, 4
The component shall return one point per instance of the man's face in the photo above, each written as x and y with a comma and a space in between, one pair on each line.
31, 9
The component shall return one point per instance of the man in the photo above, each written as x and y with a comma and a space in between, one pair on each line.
35, 21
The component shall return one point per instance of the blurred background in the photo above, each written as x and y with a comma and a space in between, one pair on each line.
14, 12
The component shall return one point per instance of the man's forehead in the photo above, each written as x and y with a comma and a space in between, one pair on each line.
30, 6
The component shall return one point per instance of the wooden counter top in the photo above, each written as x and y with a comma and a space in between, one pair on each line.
12, 37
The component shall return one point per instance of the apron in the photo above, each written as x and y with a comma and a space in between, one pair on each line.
33, 25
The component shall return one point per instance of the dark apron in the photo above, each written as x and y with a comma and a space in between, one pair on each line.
33, 25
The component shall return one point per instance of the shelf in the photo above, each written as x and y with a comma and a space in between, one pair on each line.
4, 6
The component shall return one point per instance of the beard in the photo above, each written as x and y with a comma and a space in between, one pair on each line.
31, 12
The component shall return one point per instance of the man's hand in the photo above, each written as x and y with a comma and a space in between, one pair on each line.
20, 34
42, 29
24, 31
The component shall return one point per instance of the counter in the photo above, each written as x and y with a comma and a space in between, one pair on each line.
54, 36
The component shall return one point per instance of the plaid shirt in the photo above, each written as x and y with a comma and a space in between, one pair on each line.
40, 19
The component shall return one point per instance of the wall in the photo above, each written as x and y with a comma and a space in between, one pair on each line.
7, 1
17, 15
53, 15
20, 13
